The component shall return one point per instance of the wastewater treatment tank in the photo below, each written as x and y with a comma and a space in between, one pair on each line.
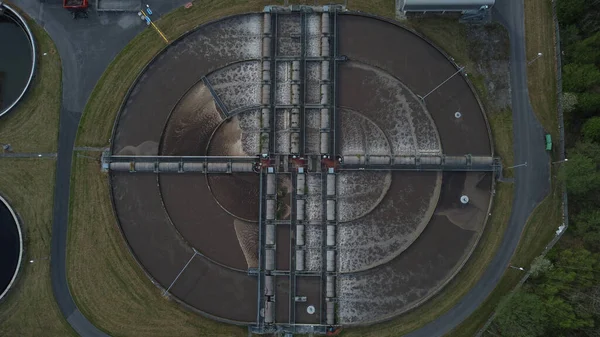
11, 247
17, 58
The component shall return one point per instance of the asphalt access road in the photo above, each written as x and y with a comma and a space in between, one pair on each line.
532, 182
86, 47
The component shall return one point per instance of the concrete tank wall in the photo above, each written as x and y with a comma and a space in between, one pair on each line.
299, 235
120, 166
269, 286
217, 167
330, 210
324, 143
270, 235
269, 312
331, 184
193, 167
481, 161
330, 286
330, 313
299, 260
458, 161
300, 210
379, 160
168, 167
145, 167
270, 184
325, 118
242, 167
331, 260
270, 209
330, 235
21, 21
432, 160
354, 160
402, 160
269, 259
325, 23
11, 214
300, 184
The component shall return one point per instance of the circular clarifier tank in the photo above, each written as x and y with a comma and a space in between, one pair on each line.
11, 247
17, 58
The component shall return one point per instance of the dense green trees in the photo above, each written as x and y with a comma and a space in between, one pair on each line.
580, 77
586, 51
585, 225
588, 103
570, 10
522, 314
560, 300
591, 129
581, 171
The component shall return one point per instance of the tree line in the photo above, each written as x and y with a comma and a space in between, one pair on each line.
562, 297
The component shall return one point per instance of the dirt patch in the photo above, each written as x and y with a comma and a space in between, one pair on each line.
489, 45
468, 216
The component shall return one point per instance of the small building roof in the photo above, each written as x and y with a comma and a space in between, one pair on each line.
443, 5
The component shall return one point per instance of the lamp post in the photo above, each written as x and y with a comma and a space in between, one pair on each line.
560, 161
535, 58
524, 164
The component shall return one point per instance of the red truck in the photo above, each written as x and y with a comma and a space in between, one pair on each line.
76, 7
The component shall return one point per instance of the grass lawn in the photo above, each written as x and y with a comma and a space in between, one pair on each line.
109, 287
541, 74
30, 308
33, 125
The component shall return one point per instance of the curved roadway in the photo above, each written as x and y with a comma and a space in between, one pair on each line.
86, 48
532, 182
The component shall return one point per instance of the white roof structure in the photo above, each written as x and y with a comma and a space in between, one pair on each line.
444, 5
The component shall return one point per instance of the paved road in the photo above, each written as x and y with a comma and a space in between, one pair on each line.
532, 182
87, 46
